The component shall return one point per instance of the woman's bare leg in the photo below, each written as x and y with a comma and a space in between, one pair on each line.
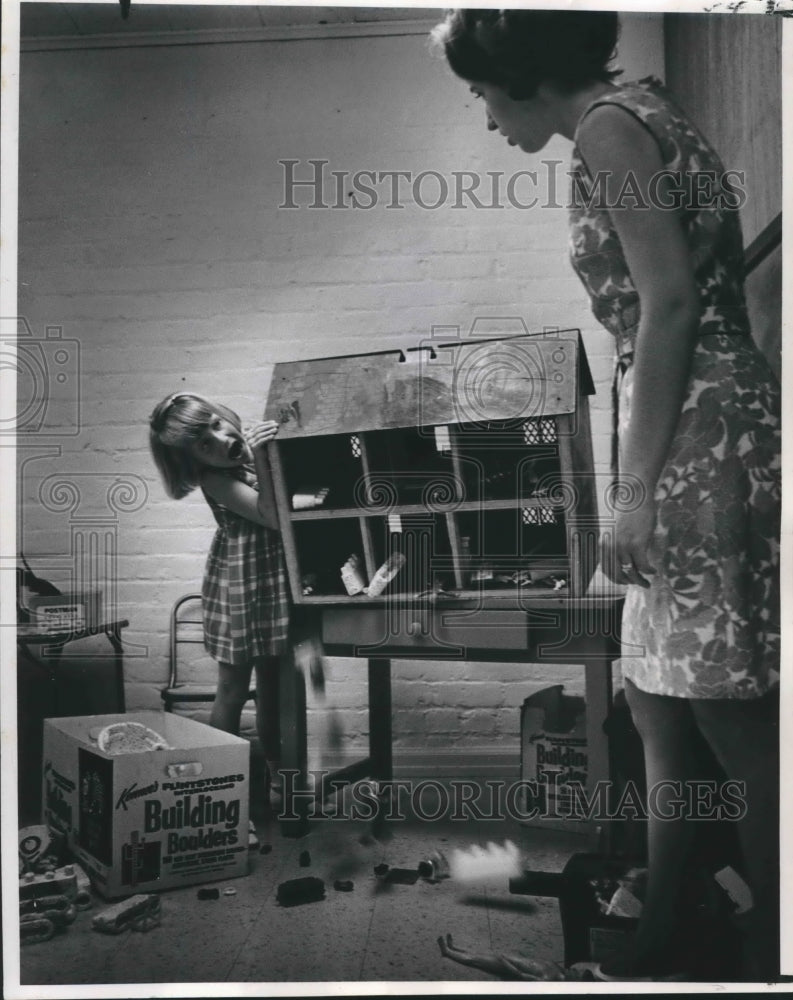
673, 754
744, 737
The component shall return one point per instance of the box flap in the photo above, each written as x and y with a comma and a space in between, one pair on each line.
181, 733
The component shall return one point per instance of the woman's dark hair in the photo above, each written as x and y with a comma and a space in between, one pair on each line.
520, 49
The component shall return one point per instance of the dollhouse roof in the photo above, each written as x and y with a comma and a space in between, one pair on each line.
455, 382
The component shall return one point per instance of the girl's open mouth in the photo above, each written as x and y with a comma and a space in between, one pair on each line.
235, 450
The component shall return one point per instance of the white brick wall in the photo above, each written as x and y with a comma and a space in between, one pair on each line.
150, 232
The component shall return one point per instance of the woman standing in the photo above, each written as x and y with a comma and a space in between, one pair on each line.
656, 241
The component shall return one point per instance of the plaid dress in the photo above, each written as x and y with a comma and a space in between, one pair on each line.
245, 592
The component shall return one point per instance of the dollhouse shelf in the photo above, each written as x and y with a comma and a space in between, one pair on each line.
468, 462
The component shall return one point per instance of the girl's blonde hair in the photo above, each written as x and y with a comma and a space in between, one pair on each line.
176, 422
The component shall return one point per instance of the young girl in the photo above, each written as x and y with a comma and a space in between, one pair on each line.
196, 443
698, 429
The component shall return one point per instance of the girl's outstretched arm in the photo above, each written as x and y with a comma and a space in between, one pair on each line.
240, 498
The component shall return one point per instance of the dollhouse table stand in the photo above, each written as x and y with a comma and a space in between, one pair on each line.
582, 631
461, 474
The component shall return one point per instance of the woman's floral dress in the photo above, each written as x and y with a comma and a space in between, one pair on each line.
708, 627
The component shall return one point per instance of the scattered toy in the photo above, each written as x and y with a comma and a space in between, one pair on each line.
435, 868
514, 966
343, 885
208, 894
40, 849
481, 864
402, 876
380, 871
60, 880
83, 899
59, 910
308, 651
34, 928
140, 913
305, 859
229, 891
296, 891
624, 904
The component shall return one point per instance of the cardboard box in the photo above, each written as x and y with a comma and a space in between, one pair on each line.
554, 757
66, 612
140, 822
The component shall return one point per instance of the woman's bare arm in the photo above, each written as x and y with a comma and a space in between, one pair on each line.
611, 140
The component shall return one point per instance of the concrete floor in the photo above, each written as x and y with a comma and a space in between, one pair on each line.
376, 933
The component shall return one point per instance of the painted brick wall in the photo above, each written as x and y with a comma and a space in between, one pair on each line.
151, 236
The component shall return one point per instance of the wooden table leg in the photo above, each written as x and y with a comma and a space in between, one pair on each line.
118, 661
598, 687
380, 741
53, 661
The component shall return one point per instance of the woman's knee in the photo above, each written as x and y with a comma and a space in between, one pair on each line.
732, 718
659, 718
743, 734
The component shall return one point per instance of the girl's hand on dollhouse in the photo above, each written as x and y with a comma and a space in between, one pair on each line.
624, 555
257, 435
